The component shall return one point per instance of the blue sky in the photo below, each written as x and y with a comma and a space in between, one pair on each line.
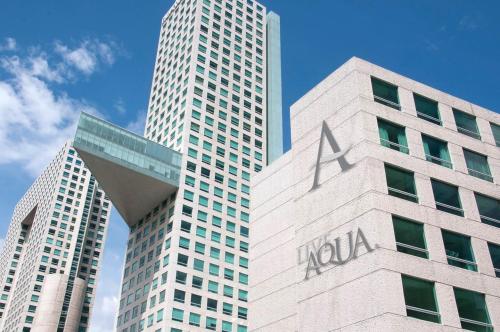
58, 58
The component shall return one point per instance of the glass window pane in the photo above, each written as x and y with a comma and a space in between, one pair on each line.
194, 319
489, 209
496, 132
385, 93
436, 151
495, 257
472, 308
459, 250
477, 164
392, 136
447, 197
211, 323
420, 299
466, 124
177, 315
410, 237
401, 183
427, 109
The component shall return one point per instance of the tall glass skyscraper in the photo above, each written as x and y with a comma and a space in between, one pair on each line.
51, 258
214, 119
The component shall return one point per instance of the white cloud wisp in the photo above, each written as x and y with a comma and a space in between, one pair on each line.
37, 115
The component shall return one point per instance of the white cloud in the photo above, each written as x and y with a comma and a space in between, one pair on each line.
9, 44
104, 312
87, 56
119, 106
469, 23
137, 125
36, 117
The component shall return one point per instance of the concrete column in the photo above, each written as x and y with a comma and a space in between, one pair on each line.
493, 305
447, 305
424, 190
75, 305
406, 101
415, 144
457, 158
434, 240
482, 256
447, 117
50, 306
469, 205
485, 131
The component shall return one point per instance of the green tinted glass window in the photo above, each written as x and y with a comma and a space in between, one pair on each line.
179, 295
436, 151
495, 257
196, 300
447, 197
496, 132
211, 323
459, 250
198, 264
410, 237
466, 124
194, 319
401, 183
420, 299
227, 326
489, 209
427, 109
385, 93
184, 243
392, 136
477, 165
472, 310
177, 315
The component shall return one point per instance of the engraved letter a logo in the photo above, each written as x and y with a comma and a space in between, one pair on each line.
337, 154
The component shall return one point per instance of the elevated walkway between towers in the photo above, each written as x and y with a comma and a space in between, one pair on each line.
136, 173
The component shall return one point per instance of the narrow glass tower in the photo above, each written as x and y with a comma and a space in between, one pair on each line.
186, 263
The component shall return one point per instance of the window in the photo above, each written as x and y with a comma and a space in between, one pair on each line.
447, 197
194, 319
489, 209
466, 124
436, 151
179, 295
401, 183
197, 282
180, 277
385, 93
212, 304
477, 164
496, 132
420, 299
495, 257
472, 310
196, 300
211, 323
177, 315
227, 326
410, 237
392, 136
458, 250
427, 109
213, 286
227, 308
